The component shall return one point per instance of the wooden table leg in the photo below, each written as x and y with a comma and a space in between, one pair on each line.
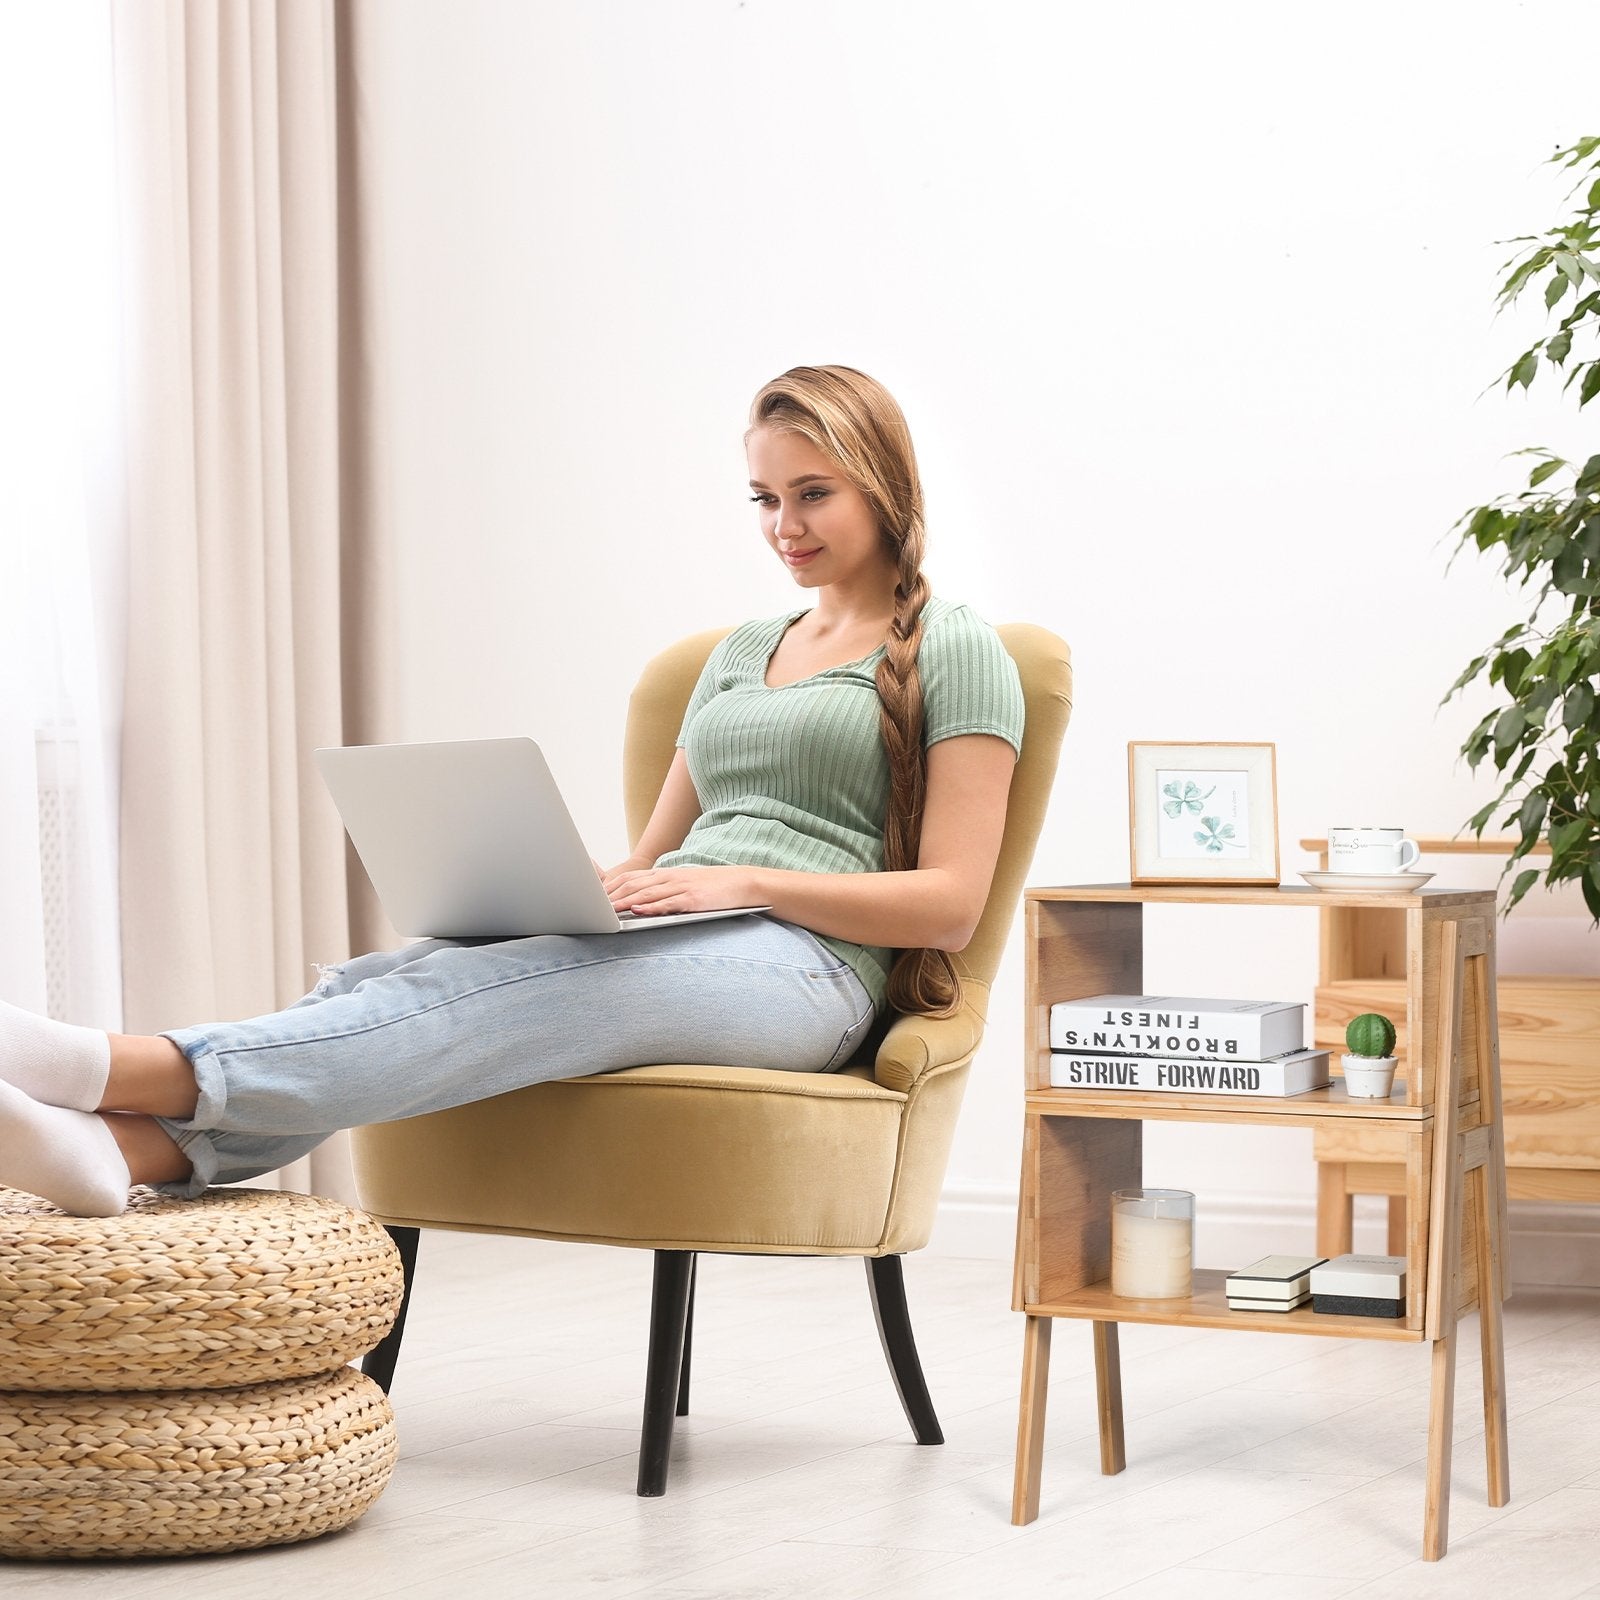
1491, 1269
1108, 1391
1030, 1420
1489, 1211
1441, 1424
1335, 1210
1444, 1245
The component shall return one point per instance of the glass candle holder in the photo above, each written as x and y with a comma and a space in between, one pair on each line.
1152, 1243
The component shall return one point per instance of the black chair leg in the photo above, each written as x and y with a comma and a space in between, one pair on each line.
378, 1363
669, 1316
688, 1340
887, 1284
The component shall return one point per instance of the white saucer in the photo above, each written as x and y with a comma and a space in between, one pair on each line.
1368, 882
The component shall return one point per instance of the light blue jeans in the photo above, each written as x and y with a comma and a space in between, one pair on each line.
444, 1021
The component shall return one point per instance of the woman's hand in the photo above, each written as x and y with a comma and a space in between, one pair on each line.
655, 891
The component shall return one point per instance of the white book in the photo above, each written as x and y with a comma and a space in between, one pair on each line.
1171, 1025
1273, 1278
1361, 1277
1291, 1074
1243, 1303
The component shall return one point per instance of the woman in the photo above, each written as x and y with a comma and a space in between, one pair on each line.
846, 764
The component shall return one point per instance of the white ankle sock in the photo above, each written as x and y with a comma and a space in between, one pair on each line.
67, 1157
57, 1063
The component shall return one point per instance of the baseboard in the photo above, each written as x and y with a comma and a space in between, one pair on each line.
977, 1220
1553, 1243
1548, 1244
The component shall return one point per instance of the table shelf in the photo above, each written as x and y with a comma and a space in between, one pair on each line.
1207, 1307
1441, 1129
1281, 895
1295, 1110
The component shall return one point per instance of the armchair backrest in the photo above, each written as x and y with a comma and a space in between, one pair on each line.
655, 714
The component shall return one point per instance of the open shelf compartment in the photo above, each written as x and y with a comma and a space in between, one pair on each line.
1207, 1307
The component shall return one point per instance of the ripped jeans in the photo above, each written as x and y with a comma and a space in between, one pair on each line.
399, 1033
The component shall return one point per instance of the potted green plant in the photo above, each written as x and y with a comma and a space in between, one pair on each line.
1546, 730
1369, 1058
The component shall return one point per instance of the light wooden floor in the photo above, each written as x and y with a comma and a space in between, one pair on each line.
1258, 1465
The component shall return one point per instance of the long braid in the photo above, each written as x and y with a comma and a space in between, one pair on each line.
921, 981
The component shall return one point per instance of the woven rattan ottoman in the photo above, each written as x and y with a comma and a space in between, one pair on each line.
175, 1380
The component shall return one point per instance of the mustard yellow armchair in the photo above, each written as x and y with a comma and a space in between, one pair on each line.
682, 1159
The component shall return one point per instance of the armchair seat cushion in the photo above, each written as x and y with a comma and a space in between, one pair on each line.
695, 1158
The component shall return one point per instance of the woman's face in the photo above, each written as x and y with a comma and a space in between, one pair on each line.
821, 526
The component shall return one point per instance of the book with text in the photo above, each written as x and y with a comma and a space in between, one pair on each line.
1175, 1026
1286, 1075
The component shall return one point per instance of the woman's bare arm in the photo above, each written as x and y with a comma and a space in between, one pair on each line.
935, 905
675, 811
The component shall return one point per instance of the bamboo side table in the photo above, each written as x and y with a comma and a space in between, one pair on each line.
1445, 1116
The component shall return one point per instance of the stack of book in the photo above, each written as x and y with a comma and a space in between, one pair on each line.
1274, 1283
1175, 1045
1360, 1286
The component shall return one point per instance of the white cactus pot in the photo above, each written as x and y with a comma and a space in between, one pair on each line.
1368, 1077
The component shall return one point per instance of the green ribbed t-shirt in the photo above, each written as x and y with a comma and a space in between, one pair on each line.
796, 777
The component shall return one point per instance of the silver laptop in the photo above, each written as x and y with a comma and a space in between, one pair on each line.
471, 839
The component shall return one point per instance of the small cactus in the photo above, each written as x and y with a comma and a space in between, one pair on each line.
1370, 1035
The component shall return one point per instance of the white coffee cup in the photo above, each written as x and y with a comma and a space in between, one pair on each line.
1371, 850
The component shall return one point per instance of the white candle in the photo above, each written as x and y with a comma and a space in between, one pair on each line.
1151, 1257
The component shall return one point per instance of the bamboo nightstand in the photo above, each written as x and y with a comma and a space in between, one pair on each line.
1444, 1116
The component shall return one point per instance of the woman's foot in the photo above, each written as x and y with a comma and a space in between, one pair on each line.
67, 1157
56, 1063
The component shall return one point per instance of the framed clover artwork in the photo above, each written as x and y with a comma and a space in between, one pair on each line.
1203, 813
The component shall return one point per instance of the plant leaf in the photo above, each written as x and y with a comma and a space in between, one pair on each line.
1577, 708
1567, 569
1591, 898
1545, 469
1508, 729
1531, 818
1466, 677
1525, 881
1510, 668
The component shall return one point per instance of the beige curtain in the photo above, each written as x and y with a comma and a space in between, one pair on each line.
259, 591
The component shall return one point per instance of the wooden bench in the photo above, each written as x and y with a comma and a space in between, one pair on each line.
1549, 1058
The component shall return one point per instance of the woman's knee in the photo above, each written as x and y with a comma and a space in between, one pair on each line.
342, 977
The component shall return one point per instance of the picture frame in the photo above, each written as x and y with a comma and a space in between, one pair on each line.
1203, 812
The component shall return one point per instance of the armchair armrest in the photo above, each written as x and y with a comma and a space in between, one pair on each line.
916, 1046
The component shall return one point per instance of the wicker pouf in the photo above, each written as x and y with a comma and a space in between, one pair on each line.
174, 1380
240, 1286
190, 1471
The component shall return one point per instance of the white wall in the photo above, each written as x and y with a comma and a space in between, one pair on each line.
1189, 308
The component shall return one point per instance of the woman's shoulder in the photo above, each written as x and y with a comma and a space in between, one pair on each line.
953, 621
970, 682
